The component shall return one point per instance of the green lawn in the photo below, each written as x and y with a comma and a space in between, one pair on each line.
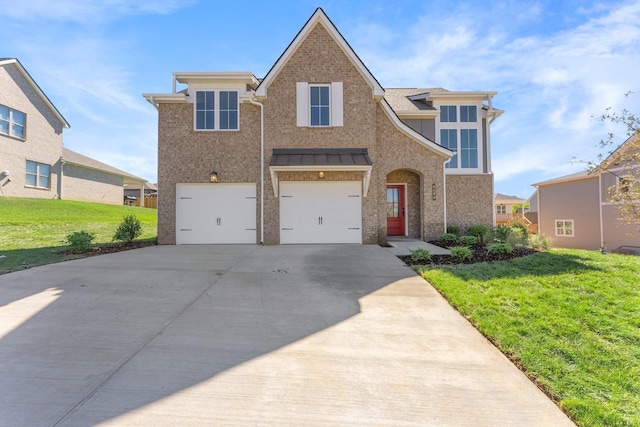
33, 231
570, 319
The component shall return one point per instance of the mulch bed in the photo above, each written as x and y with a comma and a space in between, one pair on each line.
479, 255
108, 249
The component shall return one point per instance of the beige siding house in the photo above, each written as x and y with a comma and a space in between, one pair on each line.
33, 162
318, 152
574, 211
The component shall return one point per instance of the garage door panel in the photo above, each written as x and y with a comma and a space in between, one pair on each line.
215, 213
320, 212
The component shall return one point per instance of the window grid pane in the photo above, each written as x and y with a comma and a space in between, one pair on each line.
449, 139
448, 113
320, 105
228, 110
205, 101
469, 148
468, 113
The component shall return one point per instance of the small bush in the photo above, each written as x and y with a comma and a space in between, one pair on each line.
500, 248
453, 229
420, 255
501, 233
80, 239
468, 241
128, 230
461, 253
517, 237
449, 238
539, 242
479, 231
519, 224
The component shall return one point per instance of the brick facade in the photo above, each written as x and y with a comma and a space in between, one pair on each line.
188, 156
470, 200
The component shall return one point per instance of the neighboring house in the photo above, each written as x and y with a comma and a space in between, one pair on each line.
504, 207
132, 195
318, 152
33, 162
574, 211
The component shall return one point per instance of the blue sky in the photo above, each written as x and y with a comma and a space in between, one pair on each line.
555, 64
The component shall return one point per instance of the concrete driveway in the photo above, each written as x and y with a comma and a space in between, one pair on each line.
248, 336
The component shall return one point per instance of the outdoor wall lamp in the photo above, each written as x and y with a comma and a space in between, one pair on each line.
213, 177
433, 191
320, 175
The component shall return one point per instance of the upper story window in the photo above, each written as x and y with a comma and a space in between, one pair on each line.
448, 113
38, 175
320, 105
449, 139
468, 148
216, 110
468, 113
501, 209
12, 122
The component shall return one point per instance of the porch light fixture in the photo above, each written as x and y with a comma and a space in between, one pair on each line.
213, 177
433, 191
321, 175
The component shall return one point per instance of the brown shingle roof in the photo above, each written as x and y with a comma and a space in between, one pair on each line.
398, 98
84, 161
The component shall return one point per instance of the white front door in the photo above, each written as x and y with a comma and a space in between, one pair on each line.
215, 213
320, 212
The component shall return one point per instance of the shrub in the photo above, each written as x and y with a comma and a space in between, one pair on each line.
501, 233
461, 253
453, 229
500, 248
449, 238
468, 241
80, 239
539, 242
479, 231
519, 224
128, 230
517, 237
420, 255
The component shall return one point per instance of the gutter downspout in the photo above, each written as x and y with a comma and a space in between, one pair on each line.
259, 104
444, 189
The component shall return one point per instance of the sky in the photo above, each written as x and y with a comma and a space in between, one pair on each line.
556, 65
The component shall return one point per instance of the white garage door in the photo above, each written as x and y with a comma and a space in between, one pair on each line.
215, 213
321, 212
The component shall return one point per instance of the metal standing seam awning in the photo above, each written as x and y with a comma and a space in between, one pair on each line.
320, 159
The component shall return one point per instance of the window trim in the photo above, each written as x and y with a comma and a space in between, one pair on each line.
564, 221
216, 108
449, 109
501, 209
303, 104
464, 118
37, 175
11, 122
320, 105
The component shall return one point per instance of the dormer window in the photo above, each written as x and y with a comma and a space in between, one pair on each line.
216, 110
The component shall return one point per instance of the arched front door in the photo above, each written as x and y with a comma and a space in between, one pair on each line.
395, 210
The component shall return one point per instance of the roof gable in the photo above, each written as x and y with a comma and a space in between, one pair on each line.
319, 17
71, 157
13, 61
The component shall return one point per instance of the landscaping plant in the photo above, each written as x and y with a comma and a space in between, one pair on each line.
479, 231
453, 229
420, 255
128, 230
539, 242
80, 240
461, 253
468, 241
500, 248
448, 238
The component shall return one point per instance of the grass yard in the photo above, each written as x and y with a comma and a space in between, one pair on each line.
569, 318
33, 231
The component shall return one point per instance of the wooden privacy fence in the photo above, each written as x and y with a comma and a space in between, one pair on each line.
149, 202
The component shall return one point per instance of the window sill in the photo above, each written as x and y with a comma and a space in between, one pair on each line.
17, 138
37, 188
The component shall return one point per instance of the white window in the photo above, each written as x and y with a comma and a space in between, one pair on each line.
319, 105
216, 110
38, 175
468, 113
449, 139
12, 122
448, 113
501, 209
564, 227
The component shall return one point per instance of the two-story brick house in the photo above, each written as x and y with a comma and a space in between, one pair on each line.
33, 161
318, 152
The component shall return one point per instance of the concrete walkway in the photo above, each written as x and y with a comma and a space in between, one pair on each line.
404, 245
248, 335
